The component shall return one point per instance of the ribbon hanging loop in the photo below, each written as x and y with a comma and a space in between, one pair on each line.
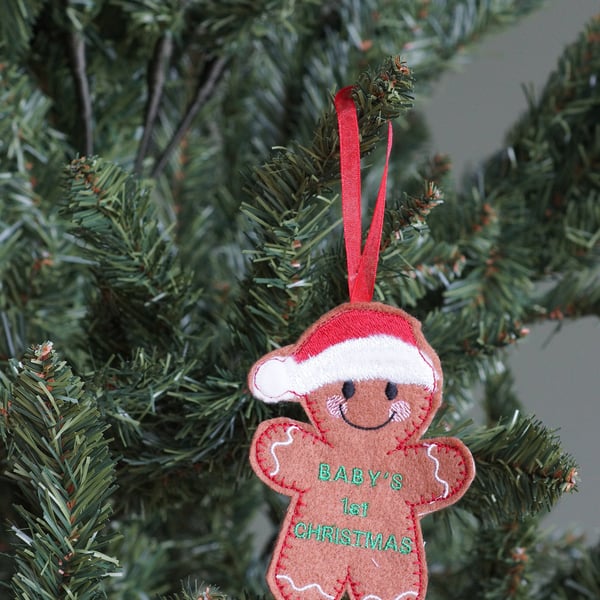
361, 264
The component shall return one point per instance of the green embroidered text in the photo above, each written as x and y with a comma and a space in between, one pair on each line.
356, 538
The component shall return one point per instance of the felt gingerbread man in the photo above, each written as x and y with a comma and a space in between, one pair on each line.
359, 476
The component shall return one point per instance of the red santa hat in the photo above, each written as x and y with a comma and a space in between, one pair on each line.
355, 341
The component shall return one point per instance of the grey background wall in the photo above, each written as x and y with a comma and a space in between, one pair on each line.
557, 371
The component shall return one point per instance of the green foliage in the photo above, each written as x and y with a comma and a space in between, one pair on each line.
553, 154
59, 458
572, 569
169, 211
140, 285
16, 25
521, 471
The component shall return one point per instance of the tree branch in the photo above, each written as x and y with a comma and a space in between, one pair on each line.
203, 92
156, 82
79, 68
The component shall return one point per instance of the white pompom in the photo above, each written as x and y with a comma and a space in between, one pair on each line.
272, 381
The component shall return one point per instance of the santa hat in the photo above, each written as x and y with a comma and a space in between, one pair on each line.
355, 341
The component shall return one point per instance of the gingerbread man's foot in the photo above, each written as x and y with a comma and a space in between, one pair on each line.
292, 587
409, 595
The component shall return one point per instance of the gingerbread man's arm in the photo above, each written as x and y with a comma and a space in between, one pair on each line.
286, 453
437, 472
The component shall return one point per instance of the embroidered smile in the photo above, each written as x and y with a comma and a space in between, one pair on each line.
364, 427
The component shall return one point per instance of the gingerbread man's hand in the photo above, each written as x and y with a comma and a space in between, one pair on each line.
281, 450
438, 472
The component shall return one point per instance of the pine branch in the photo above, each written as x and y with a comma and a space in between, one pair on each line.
143, 291
502, 557
198, 591
156, 81
204, 90
79, 72
60, 460
16, 25
500, 401
572, 568
438, 30
575, 294
287, 206
545, 186
521, 471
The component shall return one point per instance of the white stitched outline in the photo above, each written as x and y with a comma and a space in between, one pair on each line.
402, 595
287, 443
430, 447
375, 562
306, 587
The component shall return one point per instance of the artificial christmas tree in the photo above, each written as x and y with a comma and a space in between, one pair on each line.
170, 212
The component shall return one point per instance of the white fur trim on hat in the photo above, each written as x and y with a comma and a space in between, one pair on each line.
375, 357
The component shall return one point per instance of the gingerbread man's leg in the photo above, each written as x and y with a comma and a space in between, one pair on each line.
292, 577
387, 577
393, 572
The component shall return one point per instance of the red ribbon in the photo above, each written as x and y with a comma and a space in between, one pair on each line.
362, 265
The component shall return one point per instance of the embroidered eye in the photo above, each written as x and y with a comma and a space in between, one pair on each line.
348, 389
391, 390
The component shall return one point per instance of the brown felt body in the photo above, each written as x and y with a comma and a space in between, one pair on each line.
359, 476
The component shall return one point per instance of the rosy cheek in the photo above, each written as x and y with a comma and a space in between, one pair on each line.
401, 410
334, 405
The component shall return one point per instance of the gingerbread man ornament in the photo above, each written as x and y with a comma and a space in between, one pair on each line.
359, 475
